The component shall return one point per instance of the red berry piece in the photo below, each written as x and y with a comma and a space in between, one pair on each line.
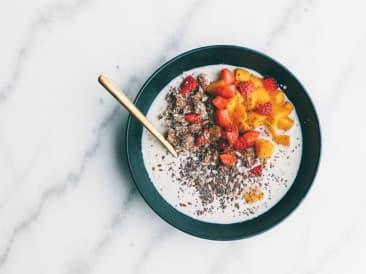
265, 109
257, 170
269, 84
246, 87
228, 159
192, 118
188, 84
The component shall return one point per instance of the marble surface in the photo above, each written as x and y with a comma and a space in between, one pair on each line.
67, 202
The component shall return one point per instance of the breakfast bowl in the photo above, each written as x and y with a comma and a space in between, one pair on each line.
234, 177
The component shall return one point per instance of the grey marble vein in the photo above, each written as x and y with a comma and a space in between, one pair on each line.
180, 33
280, 27
59, 11
116, 221
56, 191
19, 180
74, 177
345, 74
155, 241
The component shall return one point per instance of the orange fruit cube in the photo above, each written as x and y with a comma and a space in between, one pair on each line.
242, 75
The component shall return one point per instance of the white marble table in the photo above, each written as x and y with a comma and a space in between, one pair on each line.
67, 202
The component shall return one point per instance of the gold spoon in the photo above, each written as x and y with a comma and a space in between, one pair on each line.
131, 108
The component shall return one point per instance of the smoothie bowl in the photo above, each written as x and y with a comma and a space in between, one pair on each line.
247, 138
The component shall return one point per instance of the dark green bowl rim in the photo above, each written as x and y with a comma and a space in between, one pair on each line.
306, 174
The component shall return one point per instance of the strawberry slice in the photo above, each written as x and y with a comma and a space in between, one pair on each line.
192, 118
227, 75
245, 88
231, 134
264, 109
226, 91
228, 159
188, 84
257, 170
220, 102
269, 84
223, 118
250, 136
241, 144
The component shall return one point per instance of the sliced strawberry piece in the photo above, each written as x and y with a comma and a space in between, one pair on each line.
264, 109
223, 118
231, 134
188, 84
227, 75
226, 91
193, 118
250, 136
241, 144
228, 159
257, 170
203, 138
269, 84
220, 102
245, 88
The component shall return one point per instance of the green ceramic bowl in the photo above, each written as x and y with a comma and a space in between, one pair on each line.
236, 56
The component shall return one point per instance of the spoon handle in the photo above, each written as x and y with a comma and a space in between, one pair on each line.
131, 108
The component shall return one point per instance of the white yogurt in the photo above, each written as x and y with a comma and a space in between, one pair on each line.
160, 165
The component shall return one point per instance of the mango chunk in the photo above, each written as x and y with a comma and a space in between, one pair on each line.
253, 195
243, 126
288, 106
251, 100
236, 99
278, 97
239, 115
255, 120
264, 148
282, 140
262, 96
279, 112
257, 81
272, 128
285, 123
212, 87
242, 75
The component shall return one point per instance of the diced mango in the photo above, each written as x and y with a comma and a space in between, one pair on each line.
251, 100
239, 114
272, 128
242, 75
288, 106
278, 97
264, 148
212, 87
243, 126
256, 80
255, 120
236, 99
282, 140
262, 96
285, 123
253, 195
279, 112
